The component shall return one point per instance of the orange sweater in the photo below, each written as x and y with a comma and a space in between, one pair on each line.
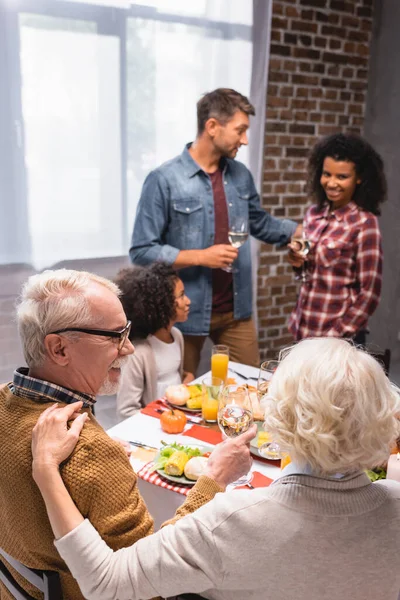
99, 478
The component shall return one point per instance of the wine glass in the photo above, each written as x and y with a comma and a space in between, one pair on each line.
302, 246
269, 449
235, 416
237, 235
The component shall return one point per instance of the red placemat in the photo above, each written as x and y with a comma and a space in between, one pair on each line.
152, 410
259, 480
204, 434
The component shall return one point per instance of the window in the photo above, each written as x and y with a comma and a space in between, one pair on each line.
96, 97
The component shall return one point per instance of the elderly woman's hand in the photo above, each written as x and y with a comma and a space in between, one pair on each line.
52, 439
231, 459
294, 257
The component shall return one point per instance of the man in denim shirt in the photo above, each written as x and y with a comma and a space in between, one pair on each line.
183, 218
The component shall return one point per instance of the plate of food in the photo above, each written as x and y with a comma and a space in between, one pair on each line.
182, 464
185, 397
261, 438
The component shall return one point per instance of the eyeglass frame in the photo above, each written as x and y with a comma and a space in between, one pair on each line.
123, 334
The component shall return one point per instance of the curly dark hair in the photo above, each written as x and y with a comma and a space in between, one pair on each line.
148, 297
371, 192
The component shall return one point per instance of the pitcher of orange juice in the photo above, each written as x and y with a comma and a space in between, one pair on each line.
219, 361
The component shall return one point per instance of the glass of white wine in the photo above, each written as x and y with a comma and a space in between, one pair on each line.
270, 449
235, 416
302, 246
237, 235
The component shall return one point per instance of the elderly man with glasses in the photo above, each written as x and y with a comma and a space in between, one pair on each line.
75, 338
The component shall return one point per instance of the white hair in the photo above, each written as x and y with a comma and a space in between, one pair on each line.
54, 300
330, 405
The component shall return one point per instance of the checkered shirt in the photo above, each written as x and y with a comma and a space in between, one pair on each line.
25, 386
345, 273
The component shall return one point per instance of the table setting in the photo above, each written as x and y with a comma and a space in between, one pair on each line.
231, 398
146, 436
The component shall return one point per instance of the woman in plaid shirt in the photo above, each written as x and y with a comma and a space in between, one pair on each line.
347, 183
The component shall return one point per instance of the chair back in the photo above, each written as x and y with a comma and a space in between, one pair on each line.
383, 357
188, 597
47, 582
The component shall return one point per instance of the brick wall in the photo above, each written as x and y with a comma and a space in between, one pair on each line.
317, 85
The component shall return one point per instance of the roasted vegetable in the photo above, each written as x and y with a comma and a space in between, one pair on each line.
195, 390
195, 402
176, 463
173, 421
195, 467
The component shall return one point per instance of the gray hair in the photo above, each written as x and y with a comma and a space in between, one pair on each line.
330, 405
54, 300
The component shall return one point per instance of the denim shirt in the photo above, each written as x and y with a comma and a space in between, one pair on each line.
176, 212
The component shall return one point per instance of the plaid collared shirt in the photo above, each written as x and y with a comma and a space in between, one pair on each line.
25, 386
345, 273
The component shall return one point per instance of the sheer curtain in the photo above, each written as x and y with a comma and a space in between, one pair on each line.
107, 94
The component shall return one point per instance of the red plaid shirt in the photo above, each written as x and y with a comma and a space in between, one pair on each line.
345, 273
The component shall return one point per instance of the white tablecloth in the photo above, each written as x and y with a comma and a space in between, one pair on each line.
163, 503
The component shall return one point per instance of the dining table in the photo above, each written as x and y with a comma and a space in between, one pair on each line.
143, 431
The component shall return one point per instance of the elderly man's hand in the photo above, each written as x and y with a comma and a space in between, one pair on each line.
125, 445
231, 459
52, 439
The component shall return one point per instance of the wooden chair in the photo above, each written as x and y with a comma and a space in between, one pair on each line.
187, 597
47, 582
383, 357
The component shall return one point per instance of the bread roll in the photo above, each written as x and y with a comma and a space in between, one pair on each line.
195, 467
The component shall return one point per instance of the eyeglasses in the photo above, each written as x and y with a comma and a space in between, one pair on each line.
122, 334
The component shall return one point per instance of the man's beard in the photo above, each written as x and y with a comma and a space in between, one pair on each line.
108, 387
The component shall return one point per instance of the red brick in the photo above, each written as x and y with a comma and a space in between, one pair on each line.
276, 36
284, 140
306, 53
280, 49
277, 8
303, 104
291, 11
278, 23
289, 65
276, 127
287, 90
327, 130
305, 26
290, 38
345, 96
330, 118
320, 42
342, 6
277, 101
331, 94
305, 79
332, 106
349, 47
364, 11
278, 77
314, 3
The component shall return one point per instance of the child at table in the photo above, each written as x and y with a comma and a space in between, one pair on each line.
154, 300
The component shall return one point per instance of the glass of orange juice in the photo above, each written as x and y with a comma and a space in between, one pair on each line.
211, 390
219, 361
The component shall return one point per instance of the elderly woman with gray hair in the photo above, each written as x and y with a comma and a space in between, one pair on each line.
322, 530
